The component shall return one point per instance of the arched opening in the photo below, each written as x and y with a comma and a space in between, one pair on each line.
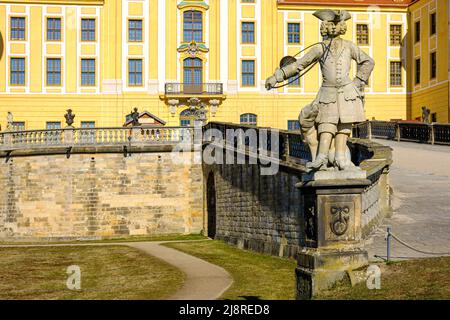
211, 206
187, 118
249, 119
193, 75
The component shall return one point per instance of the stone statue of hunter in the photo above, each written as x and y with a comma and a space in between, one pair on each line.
340, 101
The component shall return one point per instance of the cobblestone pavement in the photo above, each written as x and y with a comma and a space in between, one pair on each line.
420, 178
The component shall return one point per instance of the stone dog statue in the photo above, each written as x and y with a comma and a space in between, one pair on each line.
327, 122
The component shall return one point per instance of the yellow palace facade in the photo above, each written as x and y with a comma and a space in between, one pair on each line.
102, 58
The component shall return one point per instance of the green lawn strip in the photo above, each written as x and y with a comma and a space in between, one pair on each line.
107, 272
170, 237
423, 279
256, 276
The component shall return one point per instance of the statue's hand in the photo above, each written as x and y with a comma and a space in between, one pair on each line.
360, 84
271, 82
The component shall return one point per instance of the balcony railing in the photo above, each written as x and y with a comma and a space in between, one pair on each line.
94, 137
199, 89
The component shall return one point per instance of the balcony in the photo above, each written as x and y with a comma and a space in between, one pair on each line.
206, 89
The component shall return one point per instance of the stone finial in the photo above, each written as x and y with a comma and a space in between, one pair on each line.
69, 116
135, 116
9, 120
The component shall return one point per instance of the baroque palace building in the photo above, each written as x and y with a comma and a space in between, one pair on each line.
102, 58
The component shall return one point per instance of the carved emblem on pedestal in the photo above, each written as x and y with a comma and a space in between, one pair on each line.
340, 220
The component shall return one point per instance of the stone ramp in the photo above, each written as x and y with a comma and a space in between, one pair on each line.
420, 178
203, 281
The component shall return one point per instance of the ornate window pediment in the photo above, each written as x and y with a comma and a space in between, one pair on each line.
193, 4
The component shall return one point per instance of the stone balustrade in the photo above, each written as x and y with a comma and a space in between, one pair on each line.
70, 137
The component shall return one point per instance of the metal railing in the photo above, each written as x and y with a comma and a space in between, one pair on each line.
202, 88
404, 131
94, 137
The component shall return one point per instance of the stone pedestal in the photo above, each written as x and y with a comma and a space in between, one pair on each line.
332, 211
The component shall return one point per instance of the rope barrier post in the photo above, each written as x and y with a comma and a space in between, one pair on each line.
389, 239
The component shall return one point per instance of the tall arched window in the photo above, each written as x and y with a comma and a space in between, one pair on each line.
249, 119
193, 26
193, 75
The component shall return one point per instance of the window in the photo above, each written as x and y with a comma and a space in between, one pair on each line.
417, 31
249, 119
134, 30
87, 29
362, 34
396, 34
417, 75
53, 72
293, 125
185, 123
87, 124
248, 73
396, 73
135, 72
17, 28
87, 136
433, 23
53, 125
18, 125
293, 33
88, 72
193, 26
187, 118
193, 76
433, 65
248, 32
53, 29
17, 71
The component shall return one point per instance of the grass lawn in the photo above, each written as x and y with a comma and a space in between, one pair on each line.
256, 276
108, 272
427, 279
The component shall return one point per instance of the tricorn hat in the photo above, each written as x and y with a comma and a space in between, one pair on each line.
332, 15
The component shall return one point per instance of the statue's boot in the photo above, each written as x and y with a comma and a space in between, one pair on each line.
320, 164
343, 163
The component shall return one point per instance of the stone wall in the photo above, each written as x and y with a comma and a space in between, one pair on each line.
267, 213
99, 195
260, 213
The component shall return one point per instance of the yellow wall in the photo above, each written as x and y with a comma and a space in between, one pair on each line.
111, 98
430, 93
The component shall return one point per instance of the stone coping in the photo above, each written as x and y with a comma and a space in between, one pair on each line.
106, 149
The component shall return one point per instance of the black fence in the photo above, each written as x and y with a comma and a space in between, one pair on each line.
404, 131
